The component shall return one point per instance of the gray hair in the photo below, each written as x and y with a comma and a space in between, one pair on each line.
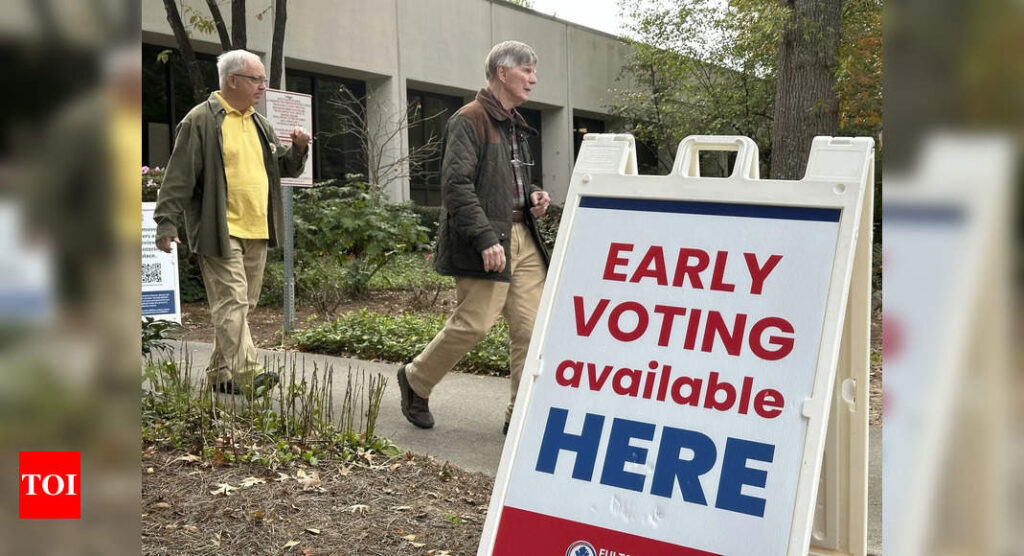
233, 61
509, 54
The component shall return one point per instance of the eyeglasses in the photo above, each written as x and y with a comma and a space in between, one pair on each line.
253, 78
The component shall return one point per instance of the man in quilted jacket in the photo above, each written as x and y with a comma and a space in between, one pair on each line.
487, 238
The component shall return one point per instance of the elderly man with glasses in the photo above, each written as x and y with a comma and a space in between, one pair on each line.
487, 238
224, 179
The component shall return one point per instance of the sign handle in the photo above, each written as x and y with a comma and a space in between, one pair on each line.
687, 163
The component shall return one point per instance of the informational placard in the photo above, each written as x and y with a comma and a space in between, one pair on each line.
681, 369
287, 110
161, 296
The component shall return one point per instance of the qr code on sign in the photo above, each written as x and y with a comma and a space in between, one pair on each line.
151, 273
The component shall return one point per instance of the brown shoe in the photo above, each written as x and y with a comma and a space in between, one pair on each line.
414, 407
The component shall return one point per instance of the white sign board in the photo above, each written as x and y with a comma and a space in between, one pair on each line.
161, 297
681, 368
287, 110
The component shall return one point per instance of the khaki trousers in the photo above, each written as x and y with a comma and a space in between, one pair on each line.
233, 288
479, 302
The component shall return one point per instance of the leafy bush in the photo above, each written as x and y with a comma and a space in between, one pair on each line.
155, 338
273, 284
548, 225
409, 271
428, 219
354, 224
399, 338
323, 282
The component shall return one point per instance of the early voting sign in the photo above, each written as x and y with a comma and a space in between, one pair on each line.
161, 299
287, 110
683, 361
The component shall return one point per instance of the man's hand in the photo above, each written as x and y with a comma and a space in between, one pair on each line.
541, 200
494, 258
164, 243
300, 138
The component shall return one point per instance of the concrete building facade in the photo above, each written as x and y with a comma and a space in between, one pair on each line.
423, 51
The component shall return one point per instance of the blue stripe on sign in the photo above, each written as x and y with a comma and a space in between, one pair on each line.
713, 209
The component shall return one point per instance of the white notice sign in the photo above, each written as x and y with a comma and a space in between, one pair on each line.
287, 110
160, 292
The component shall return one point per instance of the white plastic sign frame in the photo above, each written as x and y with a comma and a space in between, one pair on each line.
838, 175
161, 289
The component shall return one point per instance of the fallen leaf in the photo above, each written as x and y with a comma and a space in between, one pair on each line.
344, 471
188, 458
312, 530
161, 506
307, 552
171, 526
190, 528
409, 538
252, 481
438, 553
224, 489
148, 451
149, 470
289, 544
258, 514
216, 540
418, 544
400, 508
281, 477
308, 482
361, 508
394, 466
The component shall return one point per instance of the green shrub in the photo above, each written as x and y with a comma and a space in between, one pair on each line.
548, 225
354, 224
428, 219
399, 338
322, 282
409, 271
273, 284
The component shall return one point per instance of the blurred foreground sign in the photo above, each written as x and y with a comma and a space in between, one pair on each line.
160, 292
681, 371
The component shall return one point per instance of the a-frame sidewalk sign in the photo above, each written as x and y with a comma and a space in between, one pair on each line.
697, 381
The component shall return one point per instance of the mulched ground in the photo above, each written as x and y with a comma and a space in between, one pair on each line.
409, 505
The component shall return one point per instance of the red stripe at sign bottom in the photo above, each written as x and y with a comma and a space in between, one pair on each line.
522, 532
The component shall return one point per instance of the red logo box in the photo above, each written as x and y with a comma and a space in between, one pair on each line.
49, 485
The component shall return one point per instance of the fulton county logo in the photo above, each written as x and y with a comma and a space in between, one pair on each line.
581, 548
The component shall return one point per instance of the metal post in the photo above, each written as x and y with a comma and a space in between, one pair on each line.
289, 259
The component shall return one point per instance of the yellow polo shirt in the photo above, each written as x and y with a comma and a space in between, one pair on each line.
248, 187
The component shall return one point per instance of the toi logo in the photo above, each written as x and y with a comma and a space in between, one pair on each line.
49, 485
580, 548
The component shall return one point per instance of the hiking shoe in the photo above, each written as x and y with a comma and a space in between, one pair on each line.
264, 382
414, 407
226, 387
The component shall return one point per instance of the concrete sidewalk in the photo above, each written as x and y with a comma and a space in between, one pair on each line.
470, 411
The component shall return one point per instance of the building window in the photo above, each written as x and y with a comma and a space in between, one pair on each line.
337, 148
429, 113
166, 98
533, 119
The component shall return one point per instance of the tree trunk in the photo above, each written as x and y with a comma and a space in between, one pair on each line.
806, 99
277, 45
218, 21
238, 24
188, 56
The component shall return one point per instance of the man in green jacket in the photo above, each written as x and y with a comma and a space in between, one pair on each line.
487, 238
224, 177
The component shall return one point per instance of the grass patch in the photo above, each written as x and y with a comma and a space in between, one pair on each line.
296, 419
370, 335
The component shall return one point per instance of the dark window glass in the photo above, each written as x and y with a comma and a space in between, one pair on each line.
166, 97
429, 113
337, 148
